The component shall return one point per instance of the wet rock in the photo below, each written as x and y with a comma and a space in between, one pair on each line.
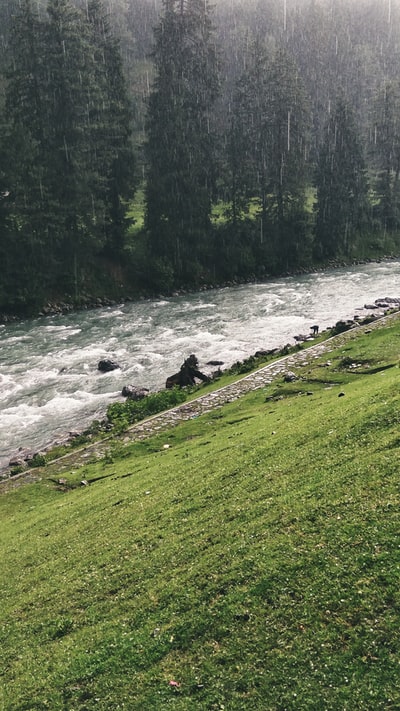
17, 462
301, 338
342, 326
21, 458
134, 393
107, 365
262, 352
290, 377
387, 302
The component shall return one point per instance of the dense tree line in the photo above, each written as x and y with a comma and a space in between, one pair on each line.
67, 165
264, 139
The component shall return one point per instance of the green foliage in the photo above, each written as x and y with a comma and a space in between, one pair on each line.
340, 327
387, 155
113, 133
256, 139
342, 189
123, 414
180, 144
266, 154
39, 460
17, 470
251, 363
67, 114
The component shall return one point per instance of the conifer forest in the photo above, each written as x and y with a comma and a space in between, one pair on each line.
148, 146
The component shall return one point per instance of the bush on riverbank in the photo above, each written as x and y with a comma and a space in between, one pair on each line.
123, 414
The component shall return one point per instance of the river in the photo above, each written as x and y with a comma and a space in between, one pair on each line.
49, 380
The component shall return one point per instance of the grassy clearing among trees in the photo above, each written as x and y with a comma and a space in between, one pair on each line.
254, 561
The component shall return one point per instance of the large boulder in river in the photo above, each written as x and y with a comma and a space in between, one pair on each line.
106, 365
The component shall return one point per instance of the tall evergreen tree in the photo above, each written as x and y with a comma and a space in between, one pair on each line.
180, 142
29, 255
387, 155
268, 151
342, 190
243, 246
75, 182
54, 185
69, 116
248, 140
287, 158
7, 277
111, 128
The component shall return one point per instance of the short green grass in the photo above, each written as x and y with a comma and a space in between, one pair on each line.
251, 556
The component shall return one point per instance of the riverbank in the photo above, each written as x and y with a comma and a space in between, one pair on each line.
50, 382
20, 471
63, 305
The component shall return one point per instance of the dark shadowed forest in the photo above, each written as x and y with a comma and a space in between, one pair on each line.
152, 146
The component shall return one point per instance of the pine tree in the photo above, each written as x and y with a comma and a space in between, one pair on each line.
111, 128
180, 142
268, 152
30, 257
287, 159
248, 139
73, 95
342, 190
70, 154
387, 155
6, 239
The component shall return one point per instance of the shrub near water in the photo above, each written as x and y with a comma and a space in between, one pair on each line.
123, 414
254, 562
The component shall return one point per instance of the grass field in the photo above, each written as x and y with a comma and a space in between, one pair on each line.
249, 559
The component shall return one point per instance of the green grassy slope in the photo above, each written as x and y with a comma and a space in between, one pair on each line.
254, 562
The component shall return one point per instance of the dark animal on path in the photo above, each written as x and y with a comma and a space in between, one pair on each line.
315, 330
187, 374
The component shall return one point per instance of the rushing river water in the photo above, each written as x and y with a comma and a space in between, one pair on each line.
48, 366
